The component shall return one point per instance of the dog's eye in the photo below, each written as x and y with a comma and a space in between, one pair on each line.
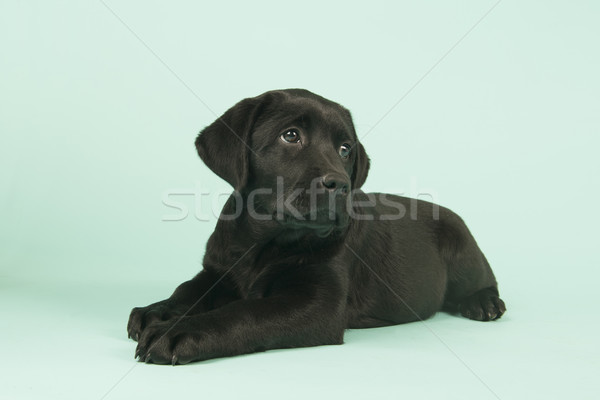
344, 151
290, 136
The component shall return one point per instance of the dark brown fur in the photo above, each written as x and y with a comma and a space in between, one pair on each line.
291, 281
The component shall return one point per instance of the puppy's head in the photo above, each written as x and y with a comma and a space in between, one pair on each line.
293, 155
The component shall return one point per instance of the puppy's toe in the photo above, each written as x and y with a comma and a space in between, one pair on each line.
484, 305
143, 317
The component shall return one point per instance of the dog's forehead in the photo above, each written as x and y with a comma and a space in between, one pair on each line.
306, 112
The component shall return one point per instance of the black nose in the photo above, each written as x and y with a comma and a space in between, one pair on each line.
335, 182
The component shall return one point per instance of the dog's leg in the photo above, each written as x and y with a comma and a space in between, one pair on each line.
483, 305
303, 308
202, 293
472, 289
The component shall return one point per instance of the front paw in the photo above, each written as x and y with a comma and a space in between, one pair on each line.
169, 342
142, 317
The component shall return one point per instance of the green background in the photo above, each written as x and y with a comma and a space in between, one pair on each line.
494, 112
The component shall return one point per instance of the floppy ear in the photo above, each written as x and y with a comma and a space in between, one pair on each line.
362, 162
224, 146
361, 166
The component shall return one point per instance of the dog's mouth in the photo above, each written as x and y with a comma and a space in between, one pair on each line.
324, 232
320, 227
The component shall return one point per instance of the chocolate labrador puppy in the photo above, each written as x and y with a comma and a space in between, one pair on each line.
299, 253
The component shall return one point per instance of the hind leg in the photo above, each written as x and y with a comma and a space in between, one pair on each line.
472, 289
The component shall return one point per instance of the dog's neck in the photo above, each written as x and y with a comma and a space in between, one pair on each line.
258, 235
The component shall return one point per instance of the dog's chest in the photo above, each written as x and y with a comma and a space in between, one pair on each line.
270, 267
